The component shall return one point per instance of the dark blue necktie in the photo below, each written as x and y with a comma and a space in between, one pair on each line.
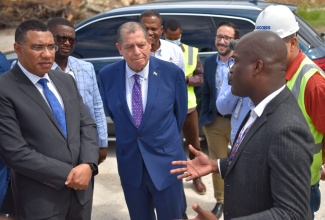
56, 107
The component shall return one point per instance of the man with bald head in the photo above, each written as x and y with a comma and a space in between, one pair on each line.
267, 174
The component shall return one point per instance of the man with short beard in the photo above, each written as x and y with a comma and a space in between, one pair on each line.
216, 126
84, 74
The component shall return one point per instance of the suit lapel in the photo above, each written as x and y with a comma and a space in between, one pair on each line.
76, 72
153, 82
121, 86
252, 131
260, 121
213, 69
29, 89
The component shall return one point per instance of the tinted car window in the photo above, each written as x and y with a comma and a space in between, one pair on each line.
243, 26
98, 38
197, 31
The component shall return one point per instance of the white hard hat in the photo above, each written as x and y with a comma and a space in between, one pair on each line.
279, 19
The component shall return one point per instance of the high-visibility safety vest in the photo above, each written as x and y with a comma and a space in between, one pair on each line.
190, 57
297, 85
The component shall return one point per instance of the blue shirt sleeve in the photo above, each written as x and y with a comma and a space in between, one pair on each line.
4, 63
226, 101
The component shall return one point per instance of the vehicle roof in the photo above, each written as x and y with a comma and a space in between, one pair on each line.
198, 4
195, 7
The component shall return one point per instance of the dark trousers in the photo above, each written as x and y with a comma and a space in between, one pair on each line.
75, 212
191, 132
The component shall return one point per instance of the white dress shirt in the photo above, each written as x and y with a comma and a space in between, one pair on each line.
170, 52
34, 79
129, 80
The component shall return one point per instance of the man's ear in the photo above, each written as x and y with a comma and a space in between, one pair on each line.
294, 43
17, 49
259, 66
118, 46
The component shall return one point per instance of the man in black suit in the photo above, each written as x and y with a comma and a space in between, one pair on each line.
52, 159
267, 175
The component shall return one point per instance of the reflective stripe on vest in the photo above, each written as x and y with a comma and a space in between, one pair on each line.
296, 89
190, 57
297, 85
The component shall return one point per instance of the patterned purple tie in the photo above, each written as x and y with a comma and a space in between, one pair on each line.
241, 136
238, 142
137, 108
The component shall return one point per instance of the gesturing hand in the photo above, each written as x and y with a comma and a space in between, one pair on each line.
201, 165
203, 214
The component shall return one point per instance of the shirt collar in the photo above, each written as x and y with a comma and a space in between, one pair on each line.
68, 68
32, 77
227, 63
258, 110
143, 73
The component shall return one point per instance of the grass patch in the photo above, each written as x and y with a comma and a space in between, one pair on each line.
314, 16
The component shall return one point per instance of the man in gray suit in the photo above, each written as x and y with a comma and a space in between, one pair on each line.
52, 158
267, 175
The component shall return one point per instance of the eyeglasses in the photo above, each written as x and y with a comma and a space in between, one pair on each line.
41, 48
62, 39
226, 38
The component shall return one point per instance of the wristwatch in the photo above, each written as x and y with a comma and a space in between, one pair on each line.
93, 166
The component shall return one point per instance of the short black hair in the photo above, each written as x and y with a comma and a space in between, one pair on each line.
28, 25
59, 21
150, 13
229, 24
172, 24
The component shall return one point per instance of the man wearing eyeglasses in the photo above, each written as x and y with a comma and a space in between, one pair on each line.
84, 74
47, 136
216, 126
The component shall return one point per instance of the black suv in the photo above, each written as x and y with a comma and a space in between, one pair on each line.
199, 19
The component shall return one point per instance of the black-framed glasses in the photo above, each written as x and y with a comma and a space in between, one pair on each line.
62, 39
226, 38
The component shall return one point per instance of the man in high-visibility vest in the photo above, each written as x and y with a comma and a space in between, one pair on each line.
194, 78
307, 82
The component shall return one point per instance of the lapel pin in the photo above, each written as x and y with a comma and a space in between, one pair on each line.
155, 74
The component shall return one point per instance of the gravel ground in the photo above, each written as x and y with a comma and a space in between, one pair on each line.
109, 200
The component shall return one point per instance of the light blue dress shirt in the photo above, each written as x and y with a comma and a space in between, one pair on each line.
238, 107
222, 72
